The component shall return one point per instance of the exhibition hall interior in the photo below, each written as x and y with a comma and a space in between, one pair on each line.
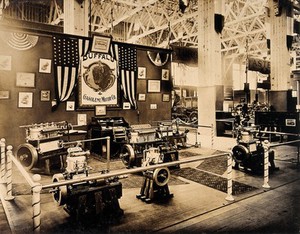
141, 116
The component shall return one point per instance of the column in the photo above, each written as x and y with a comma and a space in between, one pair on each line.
280, 57
209, 63
76, 17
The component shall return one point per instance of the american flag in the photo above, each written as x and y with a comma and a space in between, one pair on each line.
66, 52
127, 64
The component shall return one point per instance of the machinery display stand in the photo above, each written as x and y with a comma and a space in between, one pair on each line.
155, 185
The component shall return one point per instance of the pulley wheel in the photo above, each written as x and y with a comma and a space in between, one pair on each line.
240, 153
60, 193
127, 155
27, 155
161, 176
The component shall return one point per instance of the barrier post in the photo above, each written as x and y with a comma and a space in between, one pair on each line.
108, 153
212, 135
9, 195
197, 143
36, 203
229, 178
3, 171
266, 164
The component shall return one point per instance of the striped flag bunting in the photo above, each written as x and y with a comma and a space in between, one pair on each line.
66, 59
126, 56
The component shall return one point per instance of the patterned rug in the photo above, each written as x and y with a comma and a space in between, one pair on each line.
217, 165
212, 181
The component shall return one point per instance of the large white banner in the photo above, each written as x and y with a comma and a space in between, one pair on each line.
98, 81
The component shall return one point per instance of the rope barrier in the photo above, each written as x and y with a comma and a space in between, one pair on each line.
229, 178
36, 203
3, 170
266, 164
9, 195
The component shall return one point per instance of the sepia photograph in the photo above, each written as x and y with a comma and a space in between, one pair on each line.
150, 116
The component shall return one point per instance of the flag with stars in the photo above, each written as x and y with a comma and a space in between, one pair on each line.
66, 57
127, 56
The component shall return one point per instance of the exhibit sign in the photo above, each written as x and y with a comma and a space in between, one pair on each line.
98, 81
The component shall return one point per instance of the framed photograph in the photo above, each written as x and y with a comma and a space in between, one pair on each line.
165, 97
153, 86
70, 105
142, 97
25, 79
100, 44
81, 119
4, 94
290, 122
5, 62
165, 74
25, 100
141, 73
153, 106
100, 110
45, 65
45, 95
126, 106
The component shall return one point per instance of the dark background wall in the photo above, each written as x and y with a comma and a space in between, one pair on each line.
11, 116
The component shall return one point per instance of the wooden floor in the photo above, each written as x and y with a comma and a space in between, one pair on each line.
195, 208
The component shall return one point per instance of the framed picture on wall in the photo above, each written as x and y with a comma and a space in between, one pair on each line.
142, 97
153, 86
70, 105
45, 65
100, 110
25, 100
45, 95
100, 44
4, 94
126, 106
81, 119
25, 79
165, 74
142, 73
5, 62
165, 97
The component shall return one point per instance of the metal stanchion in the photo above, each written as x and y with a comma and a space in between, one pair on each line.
9, 195
3, 171
36, 203
108, 153
229, 178
266, 164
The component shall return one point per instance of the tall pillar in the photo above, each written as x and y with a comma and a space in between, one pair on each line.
209, 63
280, 57
76, 17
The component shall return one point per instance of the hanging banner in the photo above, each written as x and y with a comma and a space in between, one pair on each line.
260, 65
98, 81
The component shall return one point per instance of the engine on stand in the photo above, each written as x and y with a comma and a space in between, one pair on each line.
143, 137
44, 142
94, 200
155, 184
248, 154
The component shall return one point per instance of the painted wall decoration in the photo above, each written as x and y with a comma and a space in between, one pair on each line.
98, 81
18, 40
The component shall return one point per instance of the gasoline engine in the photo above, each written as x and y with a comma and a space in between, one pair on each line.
155, 184
43, 142
87, 200
248, 154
